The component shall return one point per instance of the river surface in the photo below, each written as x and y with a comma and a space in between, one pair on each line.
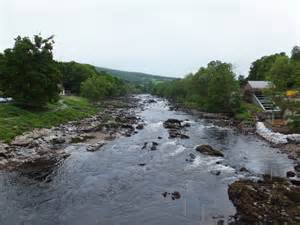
110, 187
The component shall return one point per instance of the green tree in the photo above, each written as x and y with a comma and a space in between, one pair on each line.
28, 72
260, 67
212, 88
281, 74
295, 55
101, 86
223, 89
94, 88
73, 74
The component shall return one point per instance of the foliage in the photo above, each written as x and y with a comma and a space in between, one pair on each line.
242, 80
212, 88
294, 124
139, 82
14, 120
73, 74
281, 74
260, 67
246, 111
295, 54
102, 85
28, 72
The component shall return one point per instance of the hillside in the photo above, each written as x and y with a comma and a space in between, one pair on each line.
135, 77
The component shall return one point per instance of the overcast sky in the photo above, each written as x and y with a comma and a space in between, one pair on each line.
166, 37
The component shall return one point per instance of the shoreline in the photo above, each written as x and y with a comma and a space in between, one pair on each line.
291, 148
268, 200
47, 144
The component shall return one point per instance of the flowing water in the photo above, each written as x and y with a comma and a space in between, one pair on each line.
110, 187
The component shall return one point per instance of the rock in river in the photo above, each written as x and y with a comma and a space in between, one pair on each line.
140, 126
208, 150
172, 124
95, 147
290, 174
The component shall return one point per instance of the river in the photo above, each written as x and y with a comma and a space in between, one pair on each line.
110, 187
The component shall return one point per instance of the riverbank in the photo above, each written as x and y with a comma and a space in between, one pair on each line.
169, 155
114, 118
14, 120
242, 124
269, 200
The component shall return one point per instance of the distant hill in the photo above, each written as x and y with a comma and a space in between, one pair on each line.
135, 77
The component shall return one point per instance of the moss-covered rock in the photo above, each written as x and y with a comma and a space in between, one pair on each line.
267, 201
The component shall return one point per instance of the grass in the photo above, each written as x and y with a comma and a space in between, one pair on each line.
14, 120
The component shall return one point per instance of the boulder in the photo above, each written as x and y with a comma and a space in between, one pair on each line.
96, 146
244, 169
269, 201
297, 167
290, 174
295, 181
145, 145
176, 195
22, 141
58, 140
192, 156
172, 124
140, 126
208, 150
184, 136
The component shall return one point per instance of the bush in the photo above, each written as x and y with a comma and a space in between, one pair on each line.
101, 86
294, 124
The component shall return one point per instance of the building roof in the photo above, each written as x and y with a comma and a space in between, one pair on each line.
259, 84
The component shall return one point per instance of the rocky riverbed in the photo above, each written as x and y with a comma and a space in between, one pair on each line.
117, 119
270, 200
138, 162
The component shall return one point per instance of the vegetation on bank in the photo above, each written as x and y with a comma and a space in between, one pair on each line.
284, 73
139, 82
213, 89
216, 88
15, 120
30, 75
35, 81
28, 72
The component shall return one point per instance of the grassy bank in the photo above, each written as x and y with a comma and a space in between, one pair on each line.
14, 120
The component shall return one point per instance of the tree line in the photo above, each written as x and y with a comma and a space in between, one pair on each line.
212, 88
282, 70
216, 88
30, 75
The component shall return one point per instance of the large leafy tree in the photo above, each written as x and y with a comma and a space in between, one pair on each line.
101, 86
295, 55
28, 72
281, 74
260, 67
73, 74
212, 88
223, 90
